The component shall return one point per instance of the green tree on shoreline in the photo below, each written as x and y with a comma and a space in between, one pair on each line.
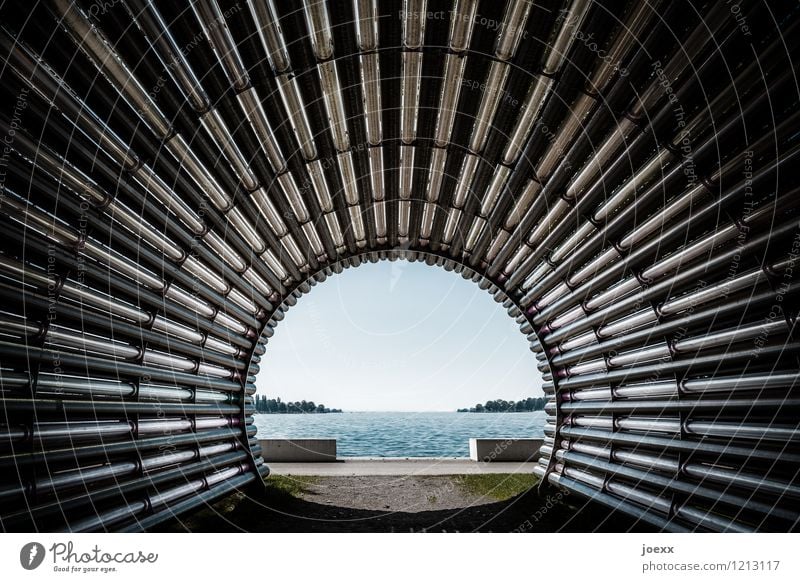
526, 405
266, 405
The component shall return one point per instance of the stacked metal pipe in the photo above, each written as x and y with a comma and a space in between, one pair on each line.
175, 177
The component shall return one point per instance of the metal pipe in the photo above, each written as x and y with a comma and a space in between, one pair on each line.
93, 43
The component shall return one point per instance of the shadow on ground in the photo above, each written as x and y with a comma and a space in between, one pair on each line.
329, 505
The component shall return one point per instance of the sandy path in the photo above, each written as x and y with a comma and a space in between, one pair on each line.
406, 494
398, 504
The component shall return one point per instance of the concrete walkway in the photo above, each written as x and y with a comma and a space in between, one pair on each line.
355, 466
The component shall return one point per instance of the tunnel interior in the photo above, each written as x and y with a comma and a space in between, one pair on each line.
619, 176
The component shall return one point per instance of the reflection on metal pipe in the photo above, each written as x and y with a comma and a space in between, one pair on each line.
216, 31
366, 13
319, 26
99, 50
412, 71
251, 106
512, 29
495, 90
371, 83
290, 95
451, 89
406, 171
269, 31
215, 127
463, 15
331, 91
415, 13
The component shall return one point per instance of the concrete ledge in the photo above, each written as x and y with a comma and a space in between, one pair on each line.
361, 467
298, 450
493, 450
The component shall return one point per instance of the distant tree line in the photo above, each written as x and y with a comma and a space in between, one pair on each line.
276, 406
527, 405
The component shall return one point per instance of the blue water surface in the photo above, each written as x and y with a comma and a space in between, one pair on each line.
401, 434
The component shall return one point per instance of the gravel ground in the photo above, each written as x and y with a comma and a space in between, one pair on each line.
405, 494
397, 504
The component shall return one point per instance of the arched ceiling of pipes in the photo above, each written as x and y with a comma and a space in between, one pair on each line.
622, 180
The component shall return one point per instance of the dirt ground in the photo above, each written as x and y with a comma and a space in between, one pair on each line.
398, 504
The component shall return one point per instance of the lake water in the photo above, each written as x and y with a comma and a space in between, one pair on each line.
402, 434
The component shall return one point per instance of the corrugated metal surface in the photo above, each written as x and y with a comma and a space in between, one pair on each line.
175, 177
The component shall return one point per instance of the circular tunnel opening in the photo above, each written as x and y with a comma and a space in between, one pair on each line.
407, 340
174, 177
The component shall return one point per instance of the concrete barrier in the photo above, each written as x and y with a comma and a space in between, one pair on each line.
298, 450
508, 449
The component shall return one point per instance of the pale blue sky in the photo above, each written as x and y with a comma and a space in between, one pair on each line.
398, 336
